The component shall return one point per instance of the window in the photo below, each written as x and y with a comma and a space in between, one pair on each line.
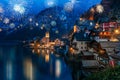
81, 47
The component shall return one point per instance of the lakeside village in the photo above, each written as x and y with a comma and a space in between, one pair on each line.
92, 51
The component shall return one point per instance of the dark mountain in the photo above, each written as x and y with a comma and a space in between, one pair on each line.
55, 20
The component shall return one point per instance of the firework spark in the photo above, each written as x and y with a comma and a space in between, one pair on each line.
99, 8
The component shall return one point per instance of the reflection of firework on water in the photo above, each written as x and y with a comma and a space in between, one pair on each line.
99, 8
37, 24
68, 6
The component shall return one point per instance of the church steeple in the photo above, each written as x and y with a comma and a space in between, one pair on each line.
75, 29
47, 35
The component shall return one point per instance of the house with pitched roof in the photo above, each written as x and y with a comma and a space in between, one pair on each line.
80, 42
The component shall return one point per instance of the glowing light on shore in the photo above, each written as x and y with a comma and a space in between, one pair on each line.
116, 31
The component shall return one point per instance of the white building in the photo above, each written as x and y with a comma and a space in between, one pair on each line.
79, 42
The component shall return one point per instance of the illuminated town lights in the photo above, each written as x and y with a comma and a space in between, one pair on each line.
32, 44
38, 45
97, 25
92, 10
75, 29
114, 39
116, 31
102, 51
81, 19
72, 50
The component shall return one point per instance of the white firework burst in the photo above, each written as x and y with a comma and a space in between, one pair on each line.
68, 6
37, 24
50, 3
6, 20
99, 8
19, 8
12, 25
1, 9
30, 19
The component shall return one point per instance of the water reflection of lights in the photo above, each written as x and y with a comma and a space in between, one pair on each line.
9, 70
28, 69
47, 57
58, 68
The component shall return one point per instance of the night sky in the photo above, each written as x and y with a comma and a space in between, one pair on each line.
15, 14
35, 6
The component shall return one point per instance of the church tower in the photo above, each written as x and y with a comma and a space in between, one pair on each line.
75, 29
47, 35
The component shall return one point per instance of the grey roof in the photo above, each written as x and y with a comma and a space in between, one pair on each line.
81, 36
